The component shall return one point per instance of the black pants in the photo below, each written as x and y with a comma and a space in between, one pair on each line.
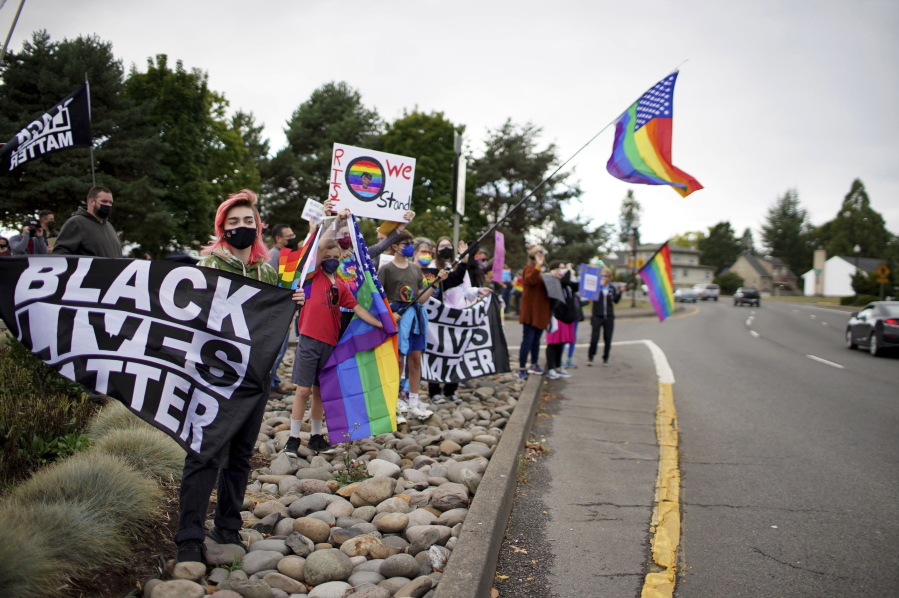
530, 345
232, 468
554, 356
449, 389
607, 326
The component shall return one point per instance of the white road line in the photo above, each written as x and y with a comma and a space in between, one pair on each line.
824, 361
663, 369
754, 333
749, 320
812, 316
824, 324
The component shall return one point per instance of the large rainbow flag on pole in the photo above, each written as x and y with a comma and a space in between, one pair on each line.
656, 275
642, 150
361, 379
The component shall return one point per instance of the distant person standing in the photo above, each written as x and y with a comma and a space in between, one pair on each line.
283, 236
536, 311
4, 247
31, 241
603, 318
46, 217
88, 231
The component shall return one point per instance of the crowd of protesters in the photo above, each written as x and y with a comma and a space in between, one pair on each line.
411, 270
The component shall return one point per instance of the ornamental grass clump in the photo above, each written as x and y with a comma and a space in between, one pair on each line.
113, 416
149, 451
101, 483
42, 545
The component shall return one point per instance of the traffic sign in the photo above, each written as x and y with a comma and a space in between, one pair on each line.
883, 274
640, 262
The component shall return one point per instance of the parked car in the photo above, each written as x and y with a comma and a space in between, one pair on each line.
685, 295
707, 291
747, 296
875, 327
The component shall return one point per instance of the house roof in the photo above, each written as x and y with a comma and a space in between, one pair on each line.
756, 263
868, 264
671, 247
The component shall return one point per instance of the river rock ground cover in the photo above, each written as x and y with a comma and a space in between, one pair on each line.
389, 534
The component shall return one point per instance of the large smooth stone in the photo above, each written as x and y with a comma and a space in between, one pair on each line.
260, 560
373, 490
314, 529
400, 565
327, 565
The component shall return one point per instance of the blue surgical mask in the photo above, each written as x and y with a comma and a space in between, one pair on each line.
407, 251
330, 265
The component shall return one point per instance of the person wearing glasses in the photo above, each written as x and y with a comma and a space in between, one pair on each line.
319, 333
239, 249
603, 319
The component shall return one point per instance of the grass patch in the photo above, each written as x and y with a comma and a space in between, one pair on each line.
42, 414
113, 416
151, 452
101, 483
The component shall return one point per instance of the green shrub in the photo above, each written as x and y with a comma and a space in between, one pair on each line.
151, 452
114, 416
38, 407
858, 300
100, 482
43, 544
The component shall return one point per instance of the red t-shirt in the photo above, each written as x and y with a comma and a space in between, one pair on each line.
319, 318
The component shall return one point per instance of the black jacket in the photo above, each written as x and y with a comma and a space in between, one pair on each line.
567, 311
607, 309
82, 234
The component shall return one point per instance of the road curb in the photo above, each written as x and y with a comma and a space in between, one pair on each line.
472, 566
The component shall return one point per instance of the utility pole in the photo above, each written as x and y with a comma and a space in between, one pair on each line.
458, 188
12, 27
633, 241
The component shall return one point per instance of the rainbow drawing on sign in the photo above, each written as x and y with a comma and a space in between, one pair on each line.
365, 177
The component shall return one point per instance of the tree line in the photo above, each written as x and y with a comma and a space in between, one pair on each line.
166, 147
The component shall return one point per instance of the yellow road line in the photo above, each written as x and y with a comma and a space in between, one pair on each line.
666, 512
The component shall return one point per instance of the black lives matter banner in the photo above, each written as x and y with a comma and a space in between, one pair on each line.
65, 126
187, 349
464, 343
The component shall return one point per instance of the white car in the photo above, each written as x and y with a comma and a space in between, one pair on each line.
707, 291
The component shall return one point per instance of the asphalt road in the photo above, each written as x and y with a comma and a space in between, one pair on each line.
789, 461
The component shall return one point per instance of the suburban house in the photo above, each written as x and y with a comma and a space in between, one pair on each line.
767, 274
685, 267
833, 277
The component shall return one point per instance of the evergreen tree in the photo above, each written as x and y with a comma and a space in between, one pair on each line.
334, 113
629, 219
510, 168
747, 244
721, 248
576, 241
787, 234
857, 223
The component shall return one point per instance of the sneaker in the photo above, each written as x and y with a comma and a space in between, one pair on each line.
523, 374
318, 444
402, 406
419, 412
570, 364
400, 419
605, 361
535, 369
552, 374
226, 536
438, 399
281, 390
455, 399
190, 551
292, 446
563, 374
590, 363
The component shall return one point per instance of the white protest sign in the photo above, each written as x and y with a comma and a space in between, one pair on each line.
313, 211
371, 184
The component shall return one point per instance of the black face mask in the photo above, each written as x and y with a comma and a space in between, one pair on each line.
446, 253
103, 211
291, 244
330, 265
240, 238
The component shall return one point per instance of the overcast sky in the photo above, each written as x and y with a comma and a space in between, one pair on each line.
774, 95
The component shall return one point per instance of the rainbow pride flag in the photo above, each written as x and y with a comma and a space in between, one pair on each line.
361, 379
291, 263
656, 275
642, 149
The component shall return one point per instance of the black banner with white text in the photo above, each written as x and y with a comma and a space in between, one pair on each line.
65, 126
464, 343
186, 348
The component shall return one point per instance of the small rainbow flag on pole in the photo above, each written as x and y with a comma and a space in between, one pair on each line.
642, 150
656, 275
291, 264
361, 379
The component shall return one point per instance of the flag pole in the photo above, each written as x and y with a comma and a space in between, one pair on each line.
9, 36
90, 116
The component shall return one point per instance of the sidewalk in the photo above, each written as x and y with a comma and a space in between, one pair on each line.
580, 521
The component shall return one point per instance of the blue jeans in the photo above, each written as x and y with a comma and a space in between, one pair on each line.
530, 343
276, 381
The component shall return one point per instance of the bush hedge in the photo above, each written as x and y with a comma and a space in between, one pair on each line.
146, 449
42, 414
859, 300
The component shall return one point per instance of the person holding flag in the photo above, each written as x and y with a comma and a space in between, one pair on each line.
603, 318
239, 249
319, 333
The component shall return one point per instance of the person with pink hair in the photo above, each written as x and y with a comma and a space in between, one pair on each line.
237, 248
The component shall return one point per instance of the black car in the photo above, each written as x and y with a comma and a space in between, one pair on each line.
747, 296
875, 327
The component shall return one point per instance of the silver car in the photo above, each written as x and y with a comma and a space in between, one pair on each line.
707, 291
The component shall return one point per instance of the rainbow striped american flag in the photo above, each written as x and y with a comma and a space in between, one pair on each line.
656, 275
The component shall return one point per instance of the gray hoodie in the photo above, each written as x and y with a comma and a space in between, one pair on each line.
82, 234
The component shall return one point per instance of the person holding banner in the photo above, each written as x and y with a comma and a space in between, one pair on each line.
536, 311
603, 318
238, 248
